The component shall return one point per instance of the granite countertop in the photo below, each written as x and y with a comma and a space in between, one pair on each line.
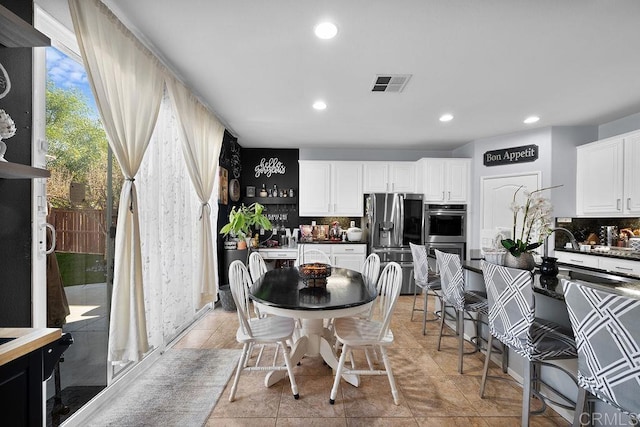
621, 253
335, 242
552, 287
24, 341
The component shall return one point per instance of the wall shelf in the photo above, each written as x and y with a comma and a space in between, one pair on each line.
272, 200
16, 32
10, 170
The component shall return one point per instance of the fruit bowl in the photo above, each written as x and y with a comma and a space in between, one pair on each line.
315, 273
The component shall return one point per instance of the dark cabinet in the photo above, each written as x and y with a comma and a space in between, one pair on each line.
21, 390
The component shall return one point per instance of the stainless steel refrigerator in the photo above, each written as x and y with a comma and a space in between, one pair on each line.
391, 222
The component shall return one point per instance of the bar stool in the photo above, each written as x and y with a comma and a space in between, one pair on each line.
608, 340
425, 279
512, 321
463, 302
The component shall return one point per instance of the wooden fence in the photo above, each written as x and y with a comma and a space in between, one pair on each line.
79, 231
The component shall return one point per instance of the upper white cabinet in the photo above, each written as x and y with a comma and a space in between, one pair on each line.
389, 177
330, 188
632, 174
607, 176
445, 180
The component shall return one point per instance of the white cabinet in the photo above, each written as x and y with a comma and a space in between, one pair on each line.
349, 256
632, 174
314, 194
577, 259
445, 180
607, 176
342, 255
389, 177
330, 188
614, 265
617, 265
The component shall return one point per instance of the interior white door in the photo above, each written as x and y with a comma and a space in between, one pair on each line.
496, 197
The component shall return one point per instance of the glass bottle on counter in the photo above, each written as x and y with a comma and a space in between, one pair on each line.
263, 191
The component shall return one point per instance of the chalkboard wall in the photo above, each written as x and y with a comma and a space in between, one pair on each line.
15, 194
271, 167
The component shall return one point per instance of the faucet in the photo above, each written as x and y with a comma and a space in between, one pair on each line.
572, 239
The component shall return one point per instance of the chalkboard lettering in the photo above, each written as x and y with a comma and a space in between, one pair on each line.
270, 167
507, 156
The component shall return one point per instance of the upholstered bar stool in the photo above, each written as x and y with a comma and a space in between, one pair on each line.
512, 321
463, 302
607, 330
425, 279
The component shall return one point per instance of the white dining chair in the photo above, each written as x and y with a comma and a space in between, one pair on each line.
371, 268
257, 330
257, 266
306, 256
370, 334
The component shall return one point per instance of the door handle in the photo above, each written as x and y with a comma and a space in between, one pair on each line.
449, 196
617, 204
629, 203
53, 238
443, 195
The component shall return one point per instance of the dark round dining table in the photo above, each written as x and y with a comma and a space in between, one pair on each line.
285, 292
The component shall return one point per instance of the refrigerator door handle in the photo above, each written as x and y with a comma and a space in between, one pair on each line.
400, 219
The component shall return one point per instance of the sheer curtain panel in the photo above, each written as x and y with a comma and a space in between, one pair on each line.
127, 82
201, 141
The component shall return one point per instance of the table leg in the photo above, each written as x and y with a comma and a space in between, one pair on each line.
297, 353
314, 341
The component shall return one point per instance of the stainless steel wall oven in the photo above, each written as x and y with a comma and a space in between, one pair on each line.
446, 229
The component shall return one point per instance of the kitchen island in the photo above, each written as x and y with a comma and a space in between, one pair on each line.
550, 305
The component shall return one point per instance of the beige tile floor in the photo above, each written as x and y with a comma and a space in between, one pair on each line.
432, 393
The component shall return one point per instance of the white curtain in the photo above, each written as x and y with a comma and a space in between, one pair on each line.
127, 82
201, 142
169, 230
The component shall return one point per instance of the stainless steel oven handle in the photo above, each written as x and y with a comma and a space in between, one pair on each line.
402, 264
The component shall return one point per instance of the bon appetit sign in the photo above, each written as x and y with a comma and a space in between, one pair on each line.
508, 156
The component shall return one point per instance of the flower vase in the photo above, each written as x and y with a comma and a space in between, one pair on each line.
523, 262
549, 267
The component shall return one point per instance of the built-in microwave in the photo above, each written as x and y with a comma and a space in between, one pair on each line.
445, 223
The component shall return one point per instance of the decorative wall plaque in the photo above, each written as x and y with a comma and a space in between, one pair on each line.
508, 156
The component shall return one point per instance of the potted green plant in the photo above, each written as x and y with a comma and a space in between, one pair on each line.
243, 219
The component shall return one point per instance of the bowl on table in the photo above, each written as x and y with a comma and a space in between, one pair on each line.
315, 273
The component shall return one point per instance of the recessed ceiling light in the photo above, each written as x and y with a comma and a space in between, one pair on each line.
531, 119
326, 30
446, 117
319, 105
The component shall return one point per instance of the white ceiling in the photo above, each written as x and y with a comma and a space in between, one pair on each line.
490, 63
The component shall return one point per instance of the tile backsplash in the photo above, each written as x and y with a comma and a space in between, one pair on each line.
582, 227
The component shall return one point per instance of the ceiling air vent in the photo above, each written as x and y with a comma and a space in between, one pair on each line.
390, 82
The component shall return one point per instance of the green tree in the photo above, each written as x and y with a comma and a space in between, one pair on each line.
77, 147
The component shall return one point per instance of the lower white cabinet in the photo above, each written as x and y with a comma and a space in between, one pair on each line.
614, 265
617, 265
349, 256
577, 259
342, 255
